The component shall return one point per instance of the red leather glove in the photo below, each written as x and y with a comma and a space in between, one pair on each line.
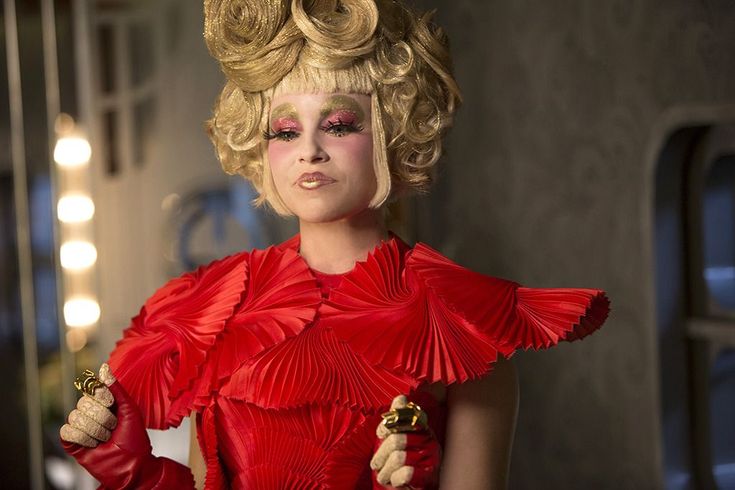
125, 461
409, 459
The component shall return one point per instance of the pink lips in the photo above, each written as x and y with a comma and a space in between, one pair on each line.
314, 177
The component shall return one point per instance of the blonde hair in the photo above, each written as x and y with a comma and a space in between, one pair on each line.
374, 47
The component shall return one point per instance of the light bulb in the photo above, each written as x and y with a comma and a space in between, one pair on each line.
81, 312
75, 208
72, 151
77, 255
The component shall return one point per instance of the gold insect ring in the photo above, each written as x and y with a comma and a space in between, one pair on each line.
88, 382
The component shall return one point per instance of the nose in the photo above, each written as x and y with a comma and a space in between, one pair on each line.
311, 150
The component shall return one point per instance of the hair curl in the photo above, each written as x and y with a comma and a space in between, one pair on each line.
375, 47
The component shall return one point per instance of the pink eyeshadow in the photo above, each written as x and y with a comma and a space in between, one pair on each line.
344, 116
281, 123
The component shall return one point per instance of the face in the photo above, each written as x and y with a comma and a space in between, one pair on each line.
320, 151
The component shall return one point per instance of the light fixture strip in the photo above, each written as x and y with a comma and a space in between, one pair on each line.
75, 211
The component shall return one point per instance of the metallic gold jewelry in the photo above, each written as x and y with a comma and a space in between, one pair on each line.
407, 419
88, 383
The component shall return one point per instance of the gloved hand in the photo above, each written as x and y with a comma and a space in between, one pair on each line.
406, 459
116, 450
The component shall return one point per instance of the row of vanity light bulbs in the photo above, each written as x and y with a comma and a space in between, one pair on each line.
75, 211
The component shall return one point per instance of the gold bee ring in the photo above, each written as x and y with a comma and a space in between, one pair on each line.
88, 382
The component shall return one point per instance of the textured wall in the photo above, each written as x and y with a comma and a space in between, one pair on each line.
548, 180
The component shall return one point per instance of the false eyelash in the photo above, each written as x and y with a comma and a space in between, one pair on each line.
270, 135
351, 127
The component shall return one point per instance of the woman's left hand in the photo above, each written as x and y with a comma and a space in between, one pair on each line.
406, 459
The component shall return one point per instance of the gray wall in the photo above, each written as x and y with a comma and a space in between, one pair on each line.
548, 180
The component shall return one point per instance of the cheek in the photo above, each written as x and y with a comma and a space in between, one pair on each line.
361, 150
276, 152
277, 157
362, 145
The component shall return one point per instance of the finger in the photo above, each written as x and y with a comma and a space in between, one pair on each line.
422, 450
395, 461
85, 424
103, 396
382, 431
76, 436
423, 454
89, 407
421, 477
402, 476
394, 442
106, 375
399, 402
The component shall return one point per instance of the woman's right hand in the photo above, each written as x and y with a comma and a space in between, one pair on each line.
117, 451
92, 421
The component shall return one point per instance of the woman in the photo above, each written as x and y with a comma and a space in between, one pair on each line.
287, 357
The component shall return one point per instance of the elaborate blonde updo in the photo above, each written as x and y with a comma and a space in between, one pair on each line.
374, 47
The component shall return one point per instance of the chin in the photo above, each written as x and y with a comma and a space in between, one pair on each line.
328, 214
321, 217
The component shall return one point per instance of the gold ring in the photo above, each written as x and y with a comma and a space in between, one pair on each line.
88, 383
407, 419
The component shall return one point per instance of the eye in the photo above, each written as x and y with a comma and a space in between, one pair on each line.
341, 128
282, 135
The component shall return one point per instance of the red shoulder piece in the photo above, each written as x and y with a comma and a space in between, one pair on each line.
161, 355
549, 315
392, 319
513, 316
420, 313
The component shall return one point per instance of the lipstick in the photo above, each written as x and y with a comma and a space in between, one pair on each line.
313, 180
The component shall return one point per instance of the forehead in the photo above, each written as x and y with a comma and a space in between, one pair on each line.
304, 102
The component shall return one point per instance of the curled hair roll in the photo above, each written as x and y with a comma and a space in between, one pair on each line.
255, 42
236, 130
336, 31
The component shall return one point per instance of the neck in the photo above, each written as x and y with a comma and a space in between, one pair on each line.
335, 247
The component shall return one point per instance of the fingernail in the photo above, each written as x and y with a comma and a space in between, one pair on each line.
103, 396
106, 374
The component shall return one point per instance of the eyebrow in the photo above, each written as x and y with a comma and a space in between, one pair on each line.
284, 110
342, 102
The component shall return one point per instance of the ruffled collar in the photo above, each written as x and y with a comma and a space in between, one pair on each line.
260, 356
385, 310
393, 245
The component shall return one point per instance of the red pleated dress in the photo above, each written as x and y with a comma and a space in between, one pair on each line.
289, 369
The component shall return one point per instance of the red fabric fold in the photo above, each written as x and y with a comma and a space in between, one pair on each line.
282, 298
511, 316
162, 353
348, 463
547, 316
387, 314
315, 365
207, 437
418, 312
289, 448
